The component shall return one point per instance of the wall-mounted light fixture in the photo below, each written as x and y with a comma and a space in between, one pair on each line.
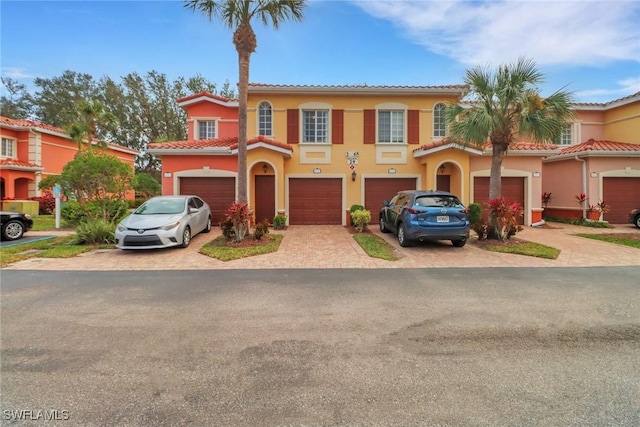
441, 168
353, 175
265, 167
593, 174
391, 170
317, 170
167, 174
536, 174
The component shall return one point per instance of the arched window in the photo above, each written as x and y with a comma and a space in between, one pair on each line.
439, 121
265, 119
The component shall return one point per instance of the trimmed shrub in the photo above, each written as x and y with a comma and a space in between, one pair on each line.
279, 222
261, 229
475, 213
360, 218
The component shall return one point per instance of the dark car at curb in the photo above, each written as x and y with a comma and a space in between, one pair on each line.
15, 224
634, 217
425, 215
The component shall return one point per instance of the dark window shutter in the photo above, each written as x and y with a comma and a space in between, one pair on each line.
369, 126
413, 121
337, 126
293, 127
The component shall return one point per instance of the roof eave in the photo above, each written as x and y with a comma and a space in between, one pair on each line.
569, 156
364, 90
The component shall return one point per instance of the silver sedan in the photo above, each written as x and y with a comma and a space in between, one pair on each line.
164, 221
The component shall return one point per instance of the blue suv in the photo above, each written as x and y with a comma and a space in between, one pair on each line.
425, 215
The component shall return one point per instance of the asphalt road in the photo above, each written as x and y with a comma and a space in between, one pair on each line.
495, 346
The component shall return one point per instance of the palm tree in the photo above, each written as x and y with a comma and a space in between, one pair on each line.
237, 15
91, 118
505, 105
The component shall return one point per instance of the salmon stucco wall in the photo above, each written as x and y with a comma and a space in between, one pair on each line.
226, 117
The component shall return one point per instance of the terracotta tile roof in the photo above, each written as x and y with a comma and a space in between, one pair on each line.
230, 143
520, 146
196, 144
205, 94
593, 145
29, 124
8, 163
256, 85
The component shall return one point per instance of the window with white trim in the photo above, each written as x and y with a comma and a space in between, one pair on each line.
207, 129
566, 137
439, 121
391, 126
265, 119
315, 126
8, 147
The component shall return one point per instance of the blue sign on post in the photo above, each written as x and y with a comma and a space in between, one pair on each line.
56, 191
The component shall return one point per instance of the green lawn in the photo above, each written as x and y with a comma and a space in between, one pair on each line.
612, 238
46, 222
375, 246
60, 247
520, 247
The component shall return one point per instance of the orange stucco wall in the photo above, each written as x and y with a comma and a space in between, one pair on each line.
227, 118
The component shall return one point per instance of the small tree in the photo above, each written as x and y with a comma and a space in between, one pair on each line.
98, 182
145, 185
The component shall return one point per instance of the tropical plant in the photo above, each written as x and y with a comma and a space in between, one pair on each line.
506, 104
237, 15
505, 214
91, 116
237, 221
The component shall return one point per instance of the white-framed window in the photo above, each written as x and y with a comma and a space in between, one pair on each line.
265, 119
391, 126
207, 129
315, 126
8, 147
439, 121
566, 137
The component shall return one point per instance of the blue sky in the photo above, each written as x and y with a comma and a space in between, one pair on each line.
591, 47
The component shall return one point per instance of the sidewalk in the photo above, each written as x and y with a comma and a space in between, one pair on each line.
332, 246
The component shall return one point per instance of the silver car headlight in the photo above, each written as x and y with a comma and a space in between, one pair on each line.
27, 216
170, 226
121, 228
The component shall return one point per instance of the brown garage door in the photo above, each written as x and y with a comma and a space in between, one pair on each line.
315, 201
622, 195
512, 188
376, 190
219, 193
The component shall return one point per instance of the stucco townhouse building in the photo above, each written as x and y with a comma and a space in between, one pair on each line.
313, 151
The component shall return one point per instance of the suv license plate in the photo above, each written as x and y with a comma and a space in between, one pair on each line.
442, 218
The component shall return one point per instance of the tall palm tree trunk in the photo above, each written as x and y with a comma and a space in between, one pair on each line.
243, 59
495, 179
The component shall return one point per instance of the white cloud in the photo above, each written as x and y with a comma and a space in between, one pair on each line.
625, 87
493, 32
16, 73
